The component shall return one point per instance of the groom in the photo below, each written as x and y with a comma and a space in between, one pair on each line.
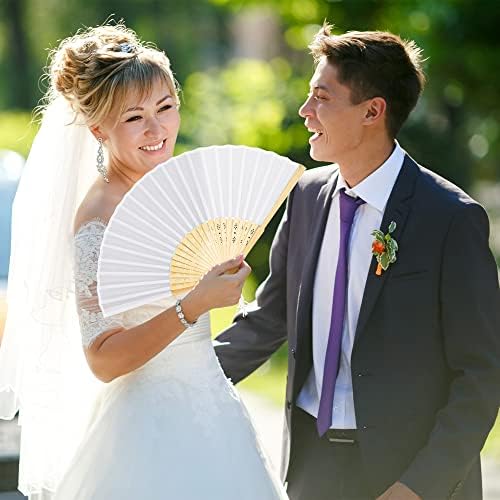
394, 365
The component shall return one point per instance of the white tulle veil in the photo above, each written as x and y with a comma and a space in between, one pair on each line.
43, 372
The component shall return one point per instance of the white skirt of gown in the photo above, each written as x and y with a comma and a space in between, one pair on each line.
174, 429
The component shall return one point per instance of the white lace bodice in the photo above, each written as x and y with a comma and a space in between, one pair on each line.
88, 239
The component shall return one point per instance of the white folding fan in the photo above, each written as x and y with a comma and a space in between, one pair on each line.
185, 216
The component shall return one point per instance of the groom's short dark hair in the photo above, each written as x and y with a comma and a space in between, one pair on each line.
375, 64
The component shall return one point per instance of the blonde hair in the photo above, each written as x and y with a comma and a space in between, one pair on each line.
96, 69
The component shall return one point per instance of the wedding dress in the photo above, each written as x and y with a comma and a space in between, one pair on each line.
173, 429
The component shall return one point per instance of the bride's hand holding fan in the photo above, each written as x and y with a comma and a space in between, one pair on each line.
220, 287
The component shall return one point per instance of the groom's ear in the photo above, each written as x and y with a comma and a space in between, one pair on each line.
375, 110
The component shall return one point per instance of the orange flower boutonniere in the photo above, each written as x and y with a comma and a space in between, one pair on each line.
384, 247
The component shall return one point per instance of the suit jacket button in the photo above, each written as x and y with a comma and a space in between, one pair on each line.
293, 353
288, 404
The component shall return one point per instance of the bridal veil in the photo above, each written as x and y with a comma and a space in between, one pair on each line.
43, 372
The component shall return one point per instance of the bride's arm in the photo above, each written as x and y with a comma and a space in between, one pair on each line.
120, 351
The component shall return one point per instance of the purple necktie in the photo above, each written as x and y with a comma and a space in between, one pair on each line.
348, 207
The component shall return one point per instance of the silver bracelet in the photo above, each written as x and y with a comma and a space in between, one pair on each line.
180, 315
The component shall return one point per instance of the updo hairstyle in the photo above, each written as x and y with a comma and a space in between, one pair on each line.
98, 68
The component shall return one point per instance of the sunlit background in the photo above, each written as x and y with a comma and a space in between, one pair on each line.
244, 67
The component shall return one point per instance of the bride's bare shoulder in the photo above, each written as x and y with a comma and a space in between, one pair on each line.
98, 204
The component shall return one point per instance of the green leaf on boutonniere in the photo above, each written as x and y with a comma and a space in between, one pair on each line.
384, 248
379, 235
385, 261
392, 245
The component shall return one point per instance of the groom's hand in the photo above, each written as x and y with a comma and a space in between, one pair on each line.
399, 491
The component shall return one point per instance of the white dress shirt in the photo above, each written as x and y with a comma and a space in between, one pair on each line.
375, 191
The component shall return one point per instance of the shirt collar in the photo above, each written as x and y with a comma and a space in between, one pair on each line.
376, 188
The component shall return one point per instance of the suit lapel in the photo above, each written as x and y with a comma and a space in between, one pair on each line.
397, 209
304, 303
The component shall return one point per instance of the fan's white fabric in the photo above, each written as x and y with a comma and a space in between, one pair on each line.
43, 372
169, 202
174, 428
219, 169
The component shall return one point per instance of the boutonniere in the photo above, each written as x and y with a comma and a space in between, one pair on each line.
384, 247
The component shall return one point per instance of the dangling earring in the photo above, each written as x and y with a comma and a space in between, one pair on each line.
100, 161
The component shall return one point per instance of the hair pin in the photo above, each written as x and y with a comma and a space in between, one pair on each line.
127, 47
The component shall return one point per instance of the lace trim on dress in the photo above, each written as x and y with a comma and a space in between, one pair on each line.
88, 239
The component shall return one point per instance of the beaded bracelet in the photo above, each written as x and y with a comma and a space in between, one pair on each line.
180, 315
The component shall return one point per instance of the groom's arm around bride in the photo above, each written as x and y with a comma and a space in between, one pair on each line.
418, 375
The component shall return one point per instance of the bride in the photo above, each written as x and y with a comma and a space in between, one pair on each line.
143, 410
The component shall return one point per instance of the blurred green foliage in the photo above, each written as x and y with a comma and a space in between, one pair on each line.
454, 130
17, 131
245, 102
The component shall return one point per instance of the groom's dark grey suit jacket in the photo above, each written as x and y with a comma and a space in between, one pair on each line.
426, 356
